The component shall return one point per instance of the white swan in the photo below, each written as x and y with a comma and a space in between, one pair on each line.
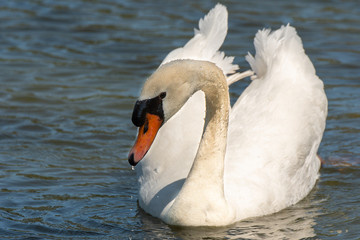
256, 160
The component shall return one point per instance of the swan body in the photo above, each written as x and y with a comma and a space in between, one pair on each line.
212, 165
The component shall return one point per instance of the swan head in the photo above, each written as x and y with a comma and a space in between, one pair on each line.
163, 94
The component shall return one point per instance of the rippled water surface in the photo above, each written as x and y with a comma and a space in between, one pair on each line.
70, 72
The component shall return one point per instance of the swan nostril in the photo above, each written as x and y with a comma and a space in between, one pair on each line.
146, 126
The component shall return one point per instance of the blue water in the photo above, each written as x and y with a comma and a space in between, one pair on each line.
70, 74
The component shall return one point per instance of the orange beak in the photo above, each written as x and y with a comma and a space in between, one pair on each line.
146, 135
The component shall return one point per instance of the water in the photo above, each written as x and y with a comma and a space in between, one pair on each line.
70, 73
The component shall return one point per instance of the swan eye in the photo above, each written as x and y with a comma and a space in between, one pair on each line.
162, 95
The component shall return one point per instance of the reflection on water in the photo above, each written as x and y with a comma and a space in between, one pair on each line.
70, 73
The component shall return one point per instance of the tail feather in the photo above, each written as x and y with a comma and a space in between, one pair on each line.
272, 46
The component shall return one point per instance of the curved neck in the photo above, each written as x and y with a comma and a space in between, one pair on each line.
208, 166
201, 200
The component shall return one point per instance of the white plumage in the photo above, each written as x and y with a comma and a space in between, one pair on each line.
275, 127
207, 41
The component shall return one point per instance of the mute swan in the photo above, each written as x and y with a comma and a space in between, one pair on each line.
254, 159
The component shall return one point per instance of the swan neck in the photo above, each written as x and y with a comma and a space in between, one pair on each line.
201, 200
211, 152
